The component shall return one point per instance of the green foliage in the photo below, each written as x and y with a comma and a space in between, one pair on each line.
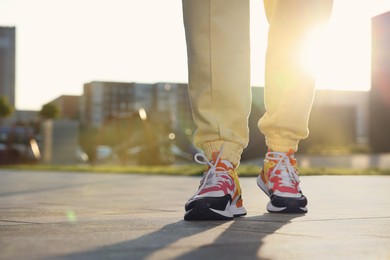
49, 111
191, 170
334, 149
5, 108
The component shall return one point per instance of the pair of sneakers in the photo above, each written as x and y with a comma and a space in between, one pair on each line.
219, 195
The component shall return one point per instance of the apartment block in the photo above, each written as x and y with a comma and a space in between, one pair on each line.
105, 101
380, 84
7, 63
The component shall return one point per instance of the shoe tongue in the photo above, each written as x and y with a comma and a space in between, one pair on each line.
275, 154
221, 163
290, 154
225, 164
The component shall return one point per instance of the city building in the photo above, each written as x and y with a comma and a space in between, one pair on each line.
348, 111
105, 101
140, 122
102, 101
68, 106
25, 116
380, 84
7, 63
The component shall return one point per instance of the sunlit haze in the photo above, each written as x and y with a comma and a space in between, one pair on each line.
63, 44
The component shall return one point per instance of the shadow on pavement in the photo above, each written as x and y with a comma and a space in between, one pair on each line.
238, 239
242, 239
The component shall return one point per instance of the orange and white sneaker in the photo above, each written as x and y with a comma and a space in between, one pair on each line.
219, 194
279, 180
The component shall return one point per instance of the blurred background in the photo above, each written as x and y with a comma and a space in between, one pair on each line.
104, 82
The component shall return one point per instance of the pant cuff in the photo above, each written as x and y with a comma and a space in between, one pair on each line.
279, 145
231, 151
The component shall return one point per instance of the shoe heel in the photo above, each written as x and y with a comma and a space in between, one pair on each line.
262, 186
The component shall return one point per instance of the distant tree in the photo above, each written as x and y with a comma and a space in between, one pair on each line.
5, 108
49, 111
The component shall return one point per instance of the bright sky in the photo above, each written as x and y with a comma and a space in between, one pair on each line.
62, 44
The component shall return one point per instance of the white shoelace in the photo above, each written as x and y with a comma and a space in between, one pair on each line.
214, 174
288, 174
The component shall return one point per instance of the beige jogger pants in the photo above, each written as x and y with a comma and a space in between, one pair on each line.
218, 48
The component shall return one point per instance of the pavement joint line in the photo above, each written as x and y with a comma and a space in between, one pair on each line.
378, 236
293, 235
20, 222
312, 220
80, 222
272, 232
163, 210
193, 224
343, 219
63, 187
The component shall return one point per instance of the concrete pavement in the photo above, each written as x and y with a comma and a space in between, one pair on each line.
58, 215
350, 161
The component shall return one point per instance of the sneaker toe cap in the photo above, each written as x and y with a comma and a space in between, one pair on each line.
289, 202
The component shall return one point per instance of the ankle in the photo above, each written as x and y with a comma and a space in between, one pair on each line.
220, 162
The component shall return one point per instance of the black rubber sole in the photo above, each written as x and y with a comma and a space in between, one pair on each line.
200, 208
290, 211
218, 203
287, 205
202, 212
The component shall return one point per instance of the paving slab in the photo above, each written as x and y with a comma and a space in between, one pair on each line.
62, 215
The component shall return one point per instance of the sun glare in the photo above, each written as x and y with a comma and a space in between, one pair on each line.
314, 51
338, 55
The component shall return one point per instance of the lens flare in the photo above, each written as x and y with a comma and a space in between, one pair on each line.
314, 51
71, 216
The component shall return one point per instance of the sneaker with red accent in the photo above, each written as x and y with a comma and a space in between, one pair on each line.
219, 193
279, 180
